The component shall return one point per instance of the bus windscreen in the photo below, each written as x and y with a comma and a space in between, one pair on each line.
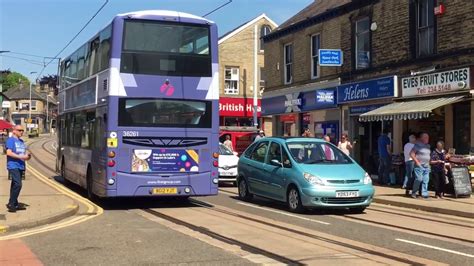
164, 113
165, 48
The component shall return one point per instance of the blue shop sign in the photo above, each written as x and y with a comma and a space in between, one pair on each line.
367, 90
330, 57
299, 102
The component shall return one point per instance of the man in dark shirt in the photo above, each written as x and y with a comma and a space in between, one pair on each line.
385, 157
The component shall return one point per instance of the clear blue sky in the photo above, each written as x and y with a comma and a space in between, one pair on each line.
44, 27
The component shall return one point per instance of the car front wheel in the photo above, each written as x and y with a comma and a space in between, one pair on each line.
294, 200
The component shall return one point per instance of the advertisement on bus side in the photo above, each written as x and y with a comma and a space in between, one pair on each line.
165, 160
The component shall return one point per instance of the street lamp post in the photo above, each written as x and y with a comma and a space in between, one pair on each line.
29, 112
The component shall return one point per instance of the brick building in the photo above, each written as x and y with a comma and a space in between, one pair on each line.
407, 66
236, 71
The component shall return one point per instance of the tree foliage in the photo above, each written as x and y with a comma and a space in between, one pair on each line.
11, 79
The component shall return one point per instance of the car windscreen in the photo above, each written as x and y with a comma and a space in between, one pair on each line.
164, 113
166, 48
223, 150
317, 153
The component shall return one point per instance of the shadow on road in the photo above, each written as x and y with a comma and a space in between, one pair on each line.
129, 203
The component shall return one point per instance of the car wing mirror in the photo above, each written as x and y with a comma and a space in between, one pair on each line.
276, 163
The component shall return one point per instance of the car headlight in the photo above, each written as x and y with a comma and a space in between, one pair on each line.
367, 179
313, 179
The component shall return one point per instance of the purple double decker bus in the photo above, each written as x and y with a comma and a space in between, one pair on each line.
139, 108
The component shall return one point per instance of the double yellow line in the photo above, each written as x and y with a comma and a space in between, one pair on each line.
93, 210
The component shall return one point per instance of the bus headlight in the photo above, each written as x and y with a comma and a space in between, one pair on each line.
215, 180
187, 190
111, 181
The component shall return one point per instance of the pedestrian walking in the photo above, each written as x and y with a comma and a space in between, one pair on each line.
345, 145
260, 135
17, 154
228, 143
385, 157
438, 168
421, 155
409, 163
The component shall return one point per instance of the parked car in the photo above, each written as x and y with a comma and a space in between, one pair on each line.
228, 161
304, 173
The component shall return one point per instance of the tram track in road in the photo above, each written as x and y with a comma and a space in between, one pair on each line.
213, 208
37, 160
389, 222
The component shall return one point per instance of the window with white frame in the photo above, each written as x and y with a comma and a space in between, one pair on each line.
264, 30
425, 28
288, 56
315, 46
231, 80
33, 105
362, 43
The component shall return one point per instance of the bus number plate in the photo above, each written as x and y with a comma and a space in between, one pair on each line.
165, 190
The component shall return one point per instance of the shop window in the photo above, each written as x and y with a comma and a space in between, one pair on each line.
315, 46
362, 43
231, 80
462, 127
288, 56
425, 27
264, 30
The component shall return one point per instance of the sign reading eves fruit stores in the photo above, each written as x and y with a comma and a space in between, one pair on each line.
436, 83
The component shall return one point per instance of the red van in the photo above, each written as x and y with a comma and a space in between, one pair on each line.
241, 137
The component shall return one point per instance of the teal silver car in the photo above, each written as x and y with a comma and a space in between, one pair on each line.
304, 173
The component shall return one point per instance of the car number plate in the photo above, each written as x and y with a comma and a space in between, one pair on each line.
347, 194
226, 174
165, 190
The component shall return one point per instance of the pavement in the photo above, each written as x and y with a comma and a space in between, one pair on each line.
44, 205
395, 196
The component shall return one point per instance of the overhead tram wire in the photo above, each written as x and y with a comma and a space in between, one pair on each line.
32, 55
75, 36
31, 61
219, 7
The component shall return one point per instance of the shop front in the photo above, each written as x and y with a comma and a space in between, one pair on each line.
237, 112
439, 103
356, 99
293, 112
236, 121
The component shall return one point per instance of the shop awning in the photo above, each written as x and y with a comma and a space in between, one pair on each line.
407, 110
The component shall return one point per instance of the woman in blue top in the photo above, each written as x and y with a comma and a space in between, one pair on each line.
17, 154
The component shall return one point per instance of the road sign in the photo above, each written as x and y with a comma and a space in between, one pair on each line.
330, 57
29, 120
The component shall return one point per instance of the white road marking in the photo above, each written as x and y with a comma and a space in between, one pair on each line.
434, 247
283, 213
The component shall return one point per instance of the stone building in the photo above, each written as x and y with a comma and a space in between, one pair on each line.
406, 66
236, 71
41, 101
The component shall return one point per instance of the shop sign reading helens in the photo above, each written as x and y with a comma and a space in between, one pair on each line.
436, 83
367, 90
